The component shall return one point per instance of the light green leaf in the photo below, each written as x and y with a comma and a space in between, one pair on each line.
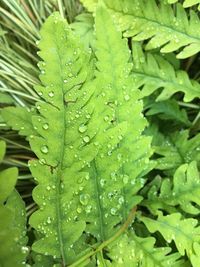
13, 250
176, 149
153, 72
168, 110
19, 119
8, 178
166, 28
84, 123
183, 190
184, 232
90, 4
134, 251
84, 28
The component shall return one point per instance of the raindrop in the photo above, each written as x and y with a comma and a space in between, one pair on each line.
127, 97
65, 81
88, 209
45, 126
51, 94
79, 210
125, 179
44, 149
121, 200
40, 93
102, 182
82, 128
84, 198
48, 188
49, 220
113, 211
24, 249
86, 139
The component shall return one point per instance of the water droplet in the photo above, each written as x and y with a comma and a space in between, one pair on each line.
24, 249
86, 139
51, 94
45, 126
127, 97
121, 200
42, 71
48, 188
84, 198
102, 182
106, 118
82, 128
44, 149
40, 93
113, 211
49, 220
88, 209
125, 179
65, 81
79, 210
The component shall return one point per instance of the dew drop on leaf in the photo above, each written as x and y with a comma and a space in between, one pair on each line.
82, 128
86, 139
84, 198
51, 94
45, 126
127, 97
79, 210
44, 149
113, 211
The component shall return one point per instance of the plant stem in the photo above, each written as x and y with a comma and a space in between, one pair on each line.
107, 242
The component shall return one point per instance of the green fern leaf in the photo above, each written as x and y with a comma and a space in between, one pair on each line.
184, 191
87, 123
184, 232
153, 72
147, 20
20, 120
195, 258
84, 28
134, 251
186, 3
175, 149
13, 250
90, 4
168, 110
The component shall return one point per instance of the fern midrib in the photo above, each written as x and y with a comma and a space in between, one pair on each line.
60, 166
158, 23
99, 206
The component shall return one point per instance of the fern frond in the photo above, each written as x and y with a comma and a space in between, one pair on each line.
13, 221
153, 72
165, 28
168, 110
90, 4
184, 191
20, 119
133, 251
91, 121
184, 232
195, 258
176, 149
84, 28
186, 3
